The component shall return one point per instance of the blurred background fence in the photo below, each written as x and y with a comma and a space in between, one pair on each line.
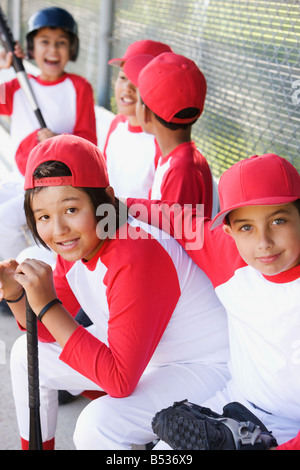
247, 49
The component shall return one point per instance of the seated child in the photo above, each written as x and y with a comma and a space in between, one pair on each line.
158, 329
131, 154
251, 253
172, 93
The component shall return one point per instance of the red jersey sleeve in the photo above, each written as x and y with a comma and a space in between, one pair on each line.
85, 125
213, 251
293, 444
7, 92
140, 307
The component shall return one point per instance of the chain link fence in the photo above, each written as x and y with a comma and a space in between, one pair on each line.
247, 49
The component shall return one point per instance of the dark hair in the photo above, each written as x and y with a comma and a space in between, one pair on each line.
98, 196
296, 203
187, 113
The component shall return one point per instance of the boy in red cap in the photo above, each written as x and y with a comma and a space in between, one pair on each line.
158, 328
131, 154
66, 102
251, 253
172, 92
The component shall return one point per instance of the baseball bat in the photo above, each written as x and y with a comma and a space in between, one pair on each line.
8, 42
35, 434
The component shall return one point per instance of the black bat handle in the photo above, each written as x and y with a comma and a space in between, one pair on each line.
18, 64
35, 434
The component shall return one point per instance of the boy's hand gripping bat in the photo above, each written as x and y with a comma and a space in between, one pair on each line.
8, 42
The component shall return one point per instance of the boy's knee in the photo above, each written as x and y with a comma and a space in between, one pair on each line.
86, 428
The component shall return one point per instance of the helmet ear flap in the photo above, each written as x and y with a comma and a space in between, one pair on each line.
74, 46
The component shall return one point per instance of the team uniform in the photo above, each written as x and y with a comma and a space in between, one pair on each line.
263, 325
184, 177
131, 156
293, 444
68, 107
159, 334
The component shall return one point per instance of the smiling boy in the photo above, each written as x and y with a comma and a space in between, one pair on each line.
267, 237
66, 101
131, 154
155, 333
51, 51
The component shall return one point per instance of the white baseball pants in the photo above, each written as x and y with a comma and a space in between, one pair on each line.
108, 423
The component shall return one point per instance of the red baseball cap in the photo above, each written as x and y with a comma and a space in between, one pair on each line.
83, 158
145, 46
168, 84
265, 180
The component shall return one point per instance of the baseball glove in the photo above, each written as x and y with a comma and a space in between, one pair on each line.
186, 426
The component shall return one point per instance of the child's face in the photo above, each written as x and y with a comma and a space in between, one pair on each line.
267, 237
126, 96
65, 221
51, 52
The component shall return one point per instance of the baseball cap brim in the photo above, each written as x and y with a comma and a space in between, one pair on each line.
274, 201
118, 61
83, 158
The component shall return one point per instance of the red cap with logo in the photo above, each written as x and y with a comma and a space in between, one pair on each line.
265, 180
83, 158
168, 84
145, 46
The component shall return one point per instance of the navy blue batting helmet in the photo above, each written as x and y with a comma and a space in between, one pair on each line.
53, 17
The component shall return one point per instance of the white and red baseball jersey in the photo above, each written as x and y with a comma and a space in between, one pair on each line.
150, 304
263, 316
66, 104
184, 177
131, 157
